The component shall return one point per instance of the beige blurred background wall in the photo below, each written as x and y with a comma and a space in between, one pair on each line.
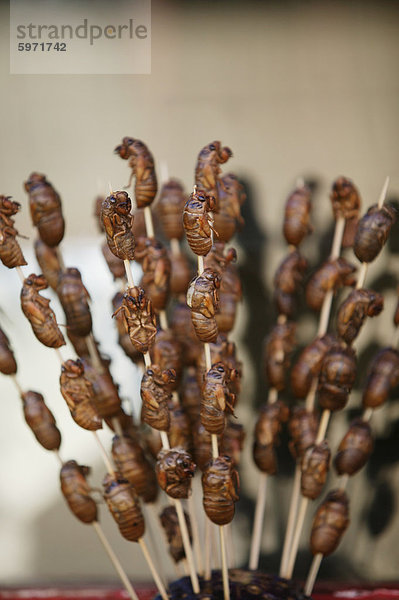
296, 89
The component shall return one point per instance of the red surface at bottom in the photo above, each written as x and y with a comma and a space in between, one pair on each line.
145, 592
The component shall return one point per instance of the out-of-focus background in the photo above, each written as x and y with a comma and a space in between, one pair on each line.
296, 89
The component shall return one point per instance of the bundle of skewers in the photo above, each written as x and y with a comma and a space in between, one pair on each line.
174, 326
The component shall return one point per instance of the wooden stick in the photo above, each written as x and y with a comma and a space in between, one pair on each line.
149, 225
57, 454
187, 546
163, 320
115, 561
200, 264
17, 385
153, 570
323, 425
164, 440
287, 573
147, 359
104, 455
296, 490
94, 354
314, 569
175, 246
258, 522
20, 274
196, 536
117, 426
225, 573
129, 274
207, 571
151, 518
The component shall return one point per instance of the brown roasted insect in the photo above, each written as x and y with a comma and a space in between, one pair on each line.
142, 164
169, 208
207, 169
354, 449
123, 335
179, 433
37, 310
115, 264
337, 376
382, 377
118, 222
267, 429
231, 196
190, 395
353, 311
77, 391
41, 420
167, 353
76, 491
373, 231
297, 216
156, 395
181, 273
345, 199
203, 299
287, 281
217, 399
170, 523
308, 365
202, 445
303, 426
330, 523
132, 464
156, 271
183, 328
105, 393
124, 506
278, 348
45, 209
332, 275
8, 365
48, 262
233, 441
175, 469
222, 351
10, 250
315, 466
197, 222
74, 300
139, 318
220, 486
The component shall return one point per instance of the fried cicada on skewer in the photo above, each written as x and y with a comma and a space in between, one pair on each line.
133, 465
207, 169
203, 299
41, 420
10, 250
139, 318
217, 398
156, 395
156, 271
77, 391
330, 276
267, 429
8, 364
330, 523
372, 232
124, 506
76, 491
197, 222
74, 299
175, 469
170, 523
220, 486
118, 222
46, 209
142, 164
353, 311
49, 262
297, 216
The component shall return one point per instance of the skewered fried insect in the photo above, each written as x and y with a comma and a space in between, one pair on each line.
354, 449
45, 209
373, 231
207, 168
309, 364
48, 262
345, 199
267, 429
133, 465
287, 280
203, 299
156, 271
297, 216
8, 365
76, 491
216, 398
105, 392
303, 426
314, 466
124, 506
169, 209
279, 345
233, 441
220, 486
123, 336
174, 470
41, 420
202, 445
118, 222
167, 353
37, 310
197, 222
77, 391
353, 311
231, 196
10, 250
330, 523
74, 299
190, 395
139, 318
382, 377
222, 351
155, 394
183, 328
179, 431
170, 523
142, 164
337, 376
181, 273
115, 264
330, 276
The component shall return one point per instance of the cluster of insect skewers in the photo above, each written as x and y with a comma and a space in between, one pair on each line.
191, 374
